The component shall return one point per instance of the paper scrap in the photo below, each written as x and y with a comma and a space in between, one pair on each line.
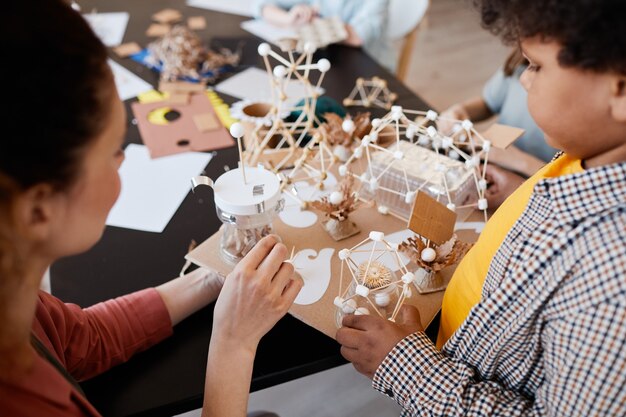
181, 87
196, 22
153, 189
254, 84
167, 16
431, 219
502, 136
238, 7
109, 27
267, 31
206, 122
127, 49
128, 84
157, 29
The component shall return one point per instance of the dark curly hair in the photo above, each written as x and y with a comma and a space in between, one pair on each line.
56, 92
592, 32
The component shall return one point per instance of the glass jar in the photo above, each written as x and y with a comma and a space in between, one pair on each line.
246, 201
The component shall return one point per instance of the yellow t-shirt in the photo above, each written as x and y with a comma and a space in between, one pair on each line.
466, 285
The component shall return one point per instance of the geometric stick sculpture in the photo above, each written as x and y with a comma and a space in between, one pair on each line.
372, 92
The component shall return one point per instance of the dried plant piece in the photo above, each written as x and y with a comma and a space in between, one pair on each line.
447, 254
336, 135
376, 276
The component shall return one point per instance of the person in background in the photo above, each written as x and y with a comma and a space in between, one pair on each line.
535, 313
365, 21
503, 95
58, 181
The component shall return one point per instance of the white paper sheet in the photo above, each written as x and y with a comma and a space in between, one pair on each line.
128, 84
153, 189
254, 84
238, 7
267, 31
109, 27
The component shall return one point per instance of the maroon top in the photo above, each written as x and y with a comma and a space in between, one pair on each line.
86, 342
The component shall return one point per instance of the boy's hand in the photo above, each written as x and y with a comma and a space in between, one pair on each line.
456, 111
502, 183
367, 340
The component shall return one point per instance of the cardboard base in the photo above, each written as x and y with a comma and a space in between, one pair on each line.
322, 314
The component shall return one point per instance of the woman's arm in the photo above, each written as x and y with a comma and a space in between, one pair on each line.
185, 295
297, 15
255, 296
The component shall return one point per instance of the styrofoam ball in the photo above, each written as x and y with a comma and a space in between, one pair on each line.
423, 140
453, 155
336, 197
486, 146
362, 311
373, 136
342, 153
431, 115
467, 124
376, 123
451, 206
376, 236
362, 290
338, 302
446, 142
407, 291
344, 254
396, 109
373, 184
409, 197
432, 132
348, 126
366, 140
482, 184
428, 255
383, 210
343, 170
309, 48
410, 132
323, 65
237, 130
264, 49
408, 278
382, 300
280, 71
482, 204
358, 152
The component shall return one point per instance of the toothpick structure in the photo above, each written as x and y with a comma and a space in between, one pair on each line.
371, 92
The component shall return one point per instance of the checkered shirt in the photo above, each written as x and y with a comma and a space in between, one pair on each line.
548, 336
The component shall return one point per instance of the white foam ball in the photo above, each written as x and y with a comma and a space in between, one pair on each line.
309, 48
280, 71
335, 197
264, 49
432, 132
486, 146
408, 278
373, 136
343, 170
366, 140
410, 132
428, 255
451, 206
373, 184
349, 306
467, 124
362, 311
454, 155
382, 300
338, 302
358, 152
482, 204
376, 123
237, 130
376, 236
348, 126
431, 115
362, 290
446, 142
482, 184
323, 65
409, 197
342, 153
344, 254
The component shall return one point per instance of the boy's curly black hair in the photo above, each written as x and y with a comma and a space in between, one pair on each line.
592, 32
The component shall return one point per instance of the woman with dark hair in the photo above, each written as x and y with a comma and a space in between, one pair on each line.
58, 181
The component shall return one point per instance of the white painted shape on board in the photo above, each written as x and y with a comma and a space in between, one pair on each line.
293, 215
315, 272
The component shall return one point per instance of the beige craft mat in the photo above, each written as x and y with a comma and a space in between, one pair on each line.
321, 314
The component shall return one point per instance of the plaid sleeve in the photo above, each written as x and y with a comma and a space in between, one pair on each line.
584, 354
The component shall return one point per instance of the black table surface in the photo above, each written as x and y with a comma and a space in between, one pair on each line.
169, 378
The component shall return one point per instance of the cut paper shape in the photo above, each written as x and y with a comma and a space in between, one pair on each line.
167, 16
156, 30
296, 217
476, 226
431, 219
128, 84
152, 190
196, 22
109, 27
254, 84
237, 7
293, 214
386, 259
502, 136
182, 134
315, 272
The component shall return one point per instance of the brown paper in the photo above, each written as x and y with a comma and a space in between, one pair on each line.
431, 219
206, 122
181, 87
157, 29
127, 49
322, 314
196, 23
181, 134
178, 98
502, 136
167, 16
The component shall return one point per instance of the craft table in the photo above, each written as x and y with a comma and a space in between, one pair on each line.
169, 378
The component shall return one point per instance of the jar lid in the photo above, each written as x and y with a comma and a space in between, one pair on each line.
260, 193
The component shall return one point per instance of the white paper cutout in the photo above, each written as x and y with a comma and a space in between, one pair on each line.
476, 226
315, 272
292, 215
109, 27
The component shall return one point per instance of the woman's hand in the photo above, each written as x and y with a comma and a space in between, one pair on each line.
367, 340
255, 296
301, 14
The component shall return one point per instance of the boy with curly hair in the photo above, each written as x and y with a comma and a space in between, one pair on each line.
545, 333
